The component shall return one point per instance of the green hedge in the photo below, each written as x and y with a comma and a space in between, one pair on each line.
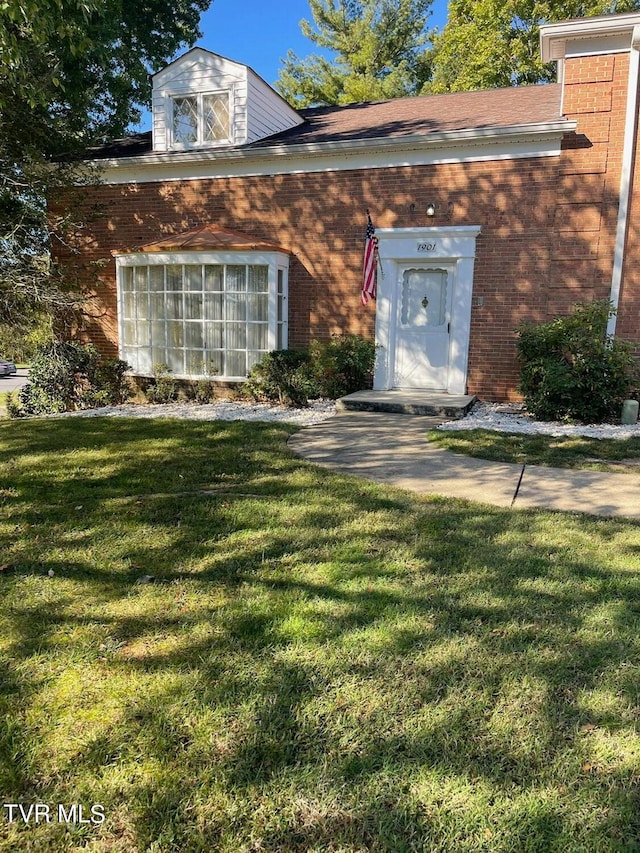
572, 371
66, 376
327, 369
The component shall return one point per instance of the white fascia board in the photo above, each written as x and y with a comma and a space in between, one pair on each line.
460, 146
555, 37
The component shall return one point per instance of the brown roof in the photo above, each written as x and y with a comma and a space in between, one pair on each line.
427, 114
424, 115
209, 238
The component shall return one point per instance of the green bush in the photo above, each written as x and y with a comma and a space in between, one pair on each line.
66, 375
572, 371
327, 369
205, 389
20, 345
283, 376
164, 388
342, 365
13, 406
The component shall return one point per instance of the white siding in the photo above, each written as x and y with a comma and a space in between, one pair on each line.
268, 113
199, 71
257, 111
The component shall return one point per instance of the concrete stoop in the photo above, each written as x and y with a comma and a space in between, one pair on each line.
433, 403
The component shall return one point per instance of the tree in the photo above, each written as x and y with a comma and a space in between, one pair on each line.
493, 43
72, 72
376, 45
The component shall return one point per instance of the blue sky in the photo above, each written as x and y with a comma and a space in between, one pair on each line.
259, 33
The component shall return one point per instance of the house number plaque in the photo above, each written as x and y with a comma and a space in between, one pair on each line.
427, 247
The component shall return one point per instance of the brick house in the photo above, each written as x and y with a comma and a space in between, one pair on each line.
236, 225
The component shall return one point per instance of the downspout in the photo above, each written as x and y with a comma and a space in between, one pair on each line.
626, 179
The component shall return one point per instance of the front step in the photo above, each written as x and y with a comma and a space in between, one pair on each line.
434, 403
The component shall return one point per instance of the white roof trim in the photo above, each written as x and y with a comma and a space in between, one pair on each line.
554, 37
447, 146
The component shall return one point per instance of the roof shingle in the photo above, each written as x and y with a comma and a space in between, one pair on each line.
422, 116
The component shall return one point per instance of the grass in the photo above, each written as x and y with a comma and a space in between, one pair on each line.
599, 454
321, 664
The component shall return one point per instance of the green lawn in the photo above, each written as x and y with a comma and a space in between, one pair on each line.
321, 664
598, 454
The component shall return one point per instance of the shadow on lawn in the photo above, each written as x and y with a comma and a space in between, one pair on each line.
324, 665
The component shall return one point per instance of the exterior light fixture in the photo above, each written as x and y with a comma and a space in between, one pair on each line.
431, 209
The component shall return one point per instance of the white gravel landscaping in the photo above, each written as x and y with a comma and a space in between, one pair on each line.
510, 417
498, 417
223, 410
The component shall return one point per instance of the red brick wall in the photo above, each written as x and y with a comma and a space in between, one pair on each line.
548, 228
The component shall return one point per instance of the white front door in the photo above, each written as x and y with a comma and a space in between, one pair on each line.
423, 307
423, 324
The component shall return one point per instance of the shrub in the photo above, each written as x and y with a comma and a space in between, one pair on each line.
342, 365
164, 388
283, 376
66, 375
13, 407
571, 370
205, 390
327, 369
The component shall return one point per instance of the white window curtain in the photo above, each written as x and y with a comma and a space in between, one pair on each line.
201, 318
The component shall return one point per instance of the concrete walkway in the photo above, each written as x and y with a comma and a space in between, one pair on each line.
393, 448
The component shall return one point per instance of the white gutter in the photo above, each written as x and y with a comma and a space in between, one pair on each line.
480, 136
626, 177
583, 28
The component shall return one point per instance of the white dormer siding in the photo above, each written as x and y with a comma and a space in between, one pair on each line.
268, 112
255, 109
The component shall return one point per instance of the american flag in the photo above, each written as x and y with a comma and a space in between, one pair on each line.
370, 261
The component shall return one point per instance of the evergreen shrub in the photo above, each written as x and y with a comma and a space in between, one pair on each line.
67, 375
572, 371
282, 376
164, 388
328, 369
342, 365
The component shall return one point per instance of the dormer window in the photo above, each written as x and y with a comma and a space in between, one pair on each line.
202, 119
204, 102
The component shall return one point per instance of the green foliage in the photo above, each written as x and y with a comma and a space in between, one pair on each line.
376, 45
72, 72
342, 365
205, 391
495, 43
13, 406
164, 388
19, 343
572, 371
66, 375
75, 69
284, 376
327, 369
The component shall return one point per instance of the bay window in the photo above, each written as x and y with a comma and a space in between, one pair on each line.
201, 314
